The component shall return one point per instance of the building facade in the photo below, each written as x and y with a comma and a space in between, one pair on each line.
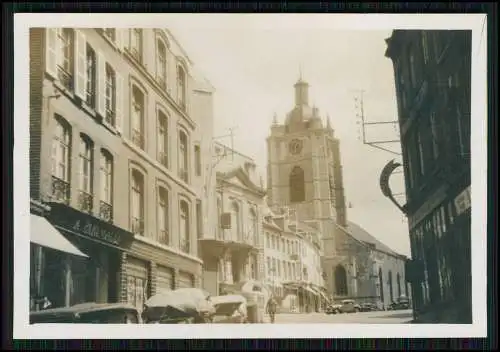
233, 253
305, 175
433, 86
114, 152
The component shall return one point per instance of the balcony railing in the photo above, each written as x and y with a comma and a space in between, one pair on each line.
110, 116
138, 139
106, 211
60, 190
163, 158
185, 245
65, 78
137, 226
163, 237
85, 202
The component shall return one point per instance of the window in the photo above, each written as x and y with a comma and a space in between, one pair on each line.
66, 57
425, 47
235, 221
162, 138
86, 171
199, 218
197, 160
183, 156
181, 87
340, 280
137, 117
161, 64
110, 95
61, 149
254, 228
163, 224
90, 87
106, 206
136, 43
184, 227
269, 266
137, 203
297, 187
110, 33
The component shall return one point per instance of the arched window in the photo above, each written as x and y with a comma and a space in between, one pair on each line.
137, 202
106, 170
67, 55
340, 281
183, 156
235, 221
398, 281
381, 284
91, 83
161, 63
181, 87
110, 95
137, 117
391, 294
61, 149
85, 195
184, 227
162, 138
297, 187
254, 228
163, 223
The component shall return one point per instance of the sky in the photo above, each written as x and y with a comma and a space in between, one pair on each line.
253, 64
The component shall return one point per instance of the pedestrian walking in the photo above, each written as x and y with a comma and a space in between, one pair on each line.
271, 308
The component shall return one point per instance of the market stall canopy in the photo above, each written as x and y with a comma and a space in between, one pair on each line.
46, 235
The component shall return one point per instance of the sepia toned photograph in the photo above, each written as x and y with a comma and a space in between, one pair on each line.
230, 169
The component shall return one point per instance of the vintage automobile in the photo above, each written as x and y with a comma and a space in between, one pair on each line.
333, 308
368, 307
230, 309
402, 302
89, 313
349, 306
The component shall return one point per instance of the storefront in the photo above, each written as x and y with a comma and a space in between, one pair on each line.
185, 280
97, 277
164, 279
137, 281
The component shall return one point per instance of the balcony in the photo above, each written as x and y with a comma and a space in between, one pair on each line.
138, 138
137, 226
85, 202
163, 237
106, 211
60, 190
65, 78
163, 158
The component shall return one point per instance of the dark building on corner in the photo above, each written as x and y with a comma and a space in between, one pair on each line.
433, 85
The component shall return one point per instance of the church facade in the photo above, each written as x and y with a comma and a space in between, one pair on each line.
304, 174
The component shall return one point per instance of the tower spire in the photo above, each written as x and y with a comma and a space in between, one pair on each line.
275, 119
300, 71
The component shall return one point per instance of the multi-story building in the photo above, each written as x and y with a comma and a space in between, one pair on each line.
305, 175
293, 262
115, 152
433, 86
233, 253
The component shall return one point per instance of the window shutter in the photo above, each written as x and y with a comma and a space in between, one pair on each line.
80, 67
119, 102
51, 52
101, 84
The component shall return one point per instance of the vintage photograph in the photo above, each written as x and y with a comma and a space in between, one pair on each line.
231, 170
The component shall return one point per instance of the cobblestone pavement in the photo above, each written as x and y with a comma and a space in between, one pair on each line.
384, 317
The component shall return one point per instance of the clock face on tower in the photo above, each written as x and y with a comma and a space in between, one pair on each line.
295, 146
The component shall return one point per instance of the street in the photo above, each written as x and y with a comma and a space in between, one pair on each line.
383, 317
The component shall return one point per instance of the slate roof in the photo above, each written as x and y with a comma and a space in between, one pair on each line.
362, 235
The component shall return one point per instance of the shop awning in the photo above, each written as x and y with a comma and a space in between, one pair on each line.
46, 235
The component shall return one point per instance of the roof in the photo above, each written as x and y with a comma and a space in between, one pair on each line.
362, 235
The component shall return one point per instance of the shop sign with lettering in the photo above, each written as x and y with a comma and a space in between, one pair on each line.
95, 231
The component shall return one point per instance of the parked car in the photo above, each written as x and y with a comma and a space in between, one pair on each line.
402, 302
368, 307
349, 306
333, 308
89, 313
